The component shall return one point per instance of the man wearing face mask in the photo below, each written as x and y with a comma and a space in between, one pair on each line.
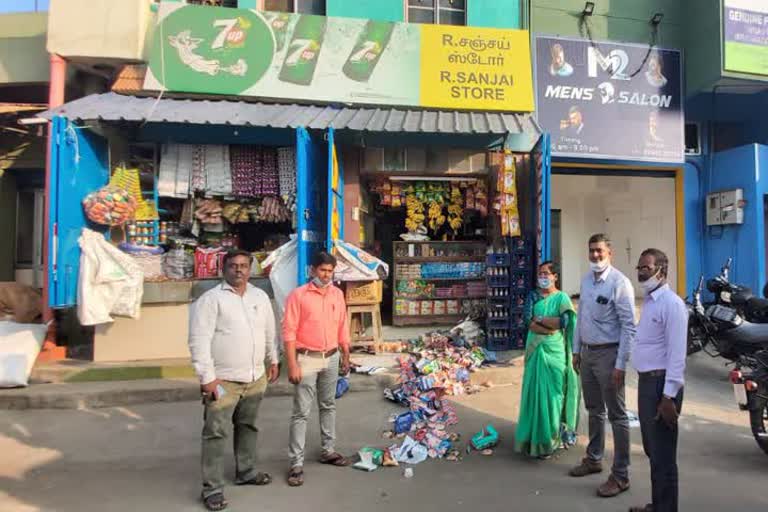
601, 347
316, 338
659, 358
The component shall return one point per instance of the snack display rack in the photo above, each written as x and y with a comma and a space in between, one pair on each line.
437, 282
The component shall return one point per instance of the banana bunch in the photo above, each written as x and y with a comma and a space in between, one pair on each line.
436, 217
456, 209
414, 213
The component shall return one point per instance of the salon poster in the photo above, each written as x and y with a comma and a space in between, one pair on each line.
606, 100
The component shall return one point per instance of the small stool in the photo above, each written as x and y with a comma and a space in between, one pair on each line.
356, 326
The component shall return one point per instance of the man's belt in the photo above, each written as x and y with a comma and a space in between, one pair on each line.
601, 346
653, 373
315, 353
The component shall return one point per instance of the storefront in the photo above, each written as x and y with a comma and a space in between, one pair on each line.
615, 116
213, 173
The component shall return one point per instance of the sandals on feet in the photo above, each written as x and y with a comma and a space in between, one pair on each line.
259, 479
645, 508
296, 477
215, 502
335, 459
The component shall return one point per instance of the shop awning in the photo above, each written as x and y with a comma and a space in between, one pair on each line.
116, 107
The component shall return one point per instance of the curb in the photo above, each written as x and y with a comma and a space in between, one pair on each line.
95, 395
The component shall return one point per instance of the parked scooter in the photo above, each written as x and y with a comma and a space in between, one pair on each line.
735, 327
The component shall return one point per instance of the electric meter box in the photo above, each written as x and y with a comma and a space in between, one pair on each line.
726, 207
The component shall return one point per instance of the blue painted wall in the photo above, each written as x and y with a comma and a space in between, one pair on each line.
740, 167
494, 13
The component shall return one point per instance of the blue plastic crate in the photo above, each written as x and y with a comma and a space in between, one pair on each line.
498, 281
498, 260
520, 282
497, 323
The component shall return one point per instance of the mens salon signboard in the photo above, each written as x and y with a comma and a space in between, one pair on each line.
609, 100
243, 52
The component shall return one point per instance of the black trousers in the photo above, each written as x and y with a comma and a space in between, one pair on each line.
659, 442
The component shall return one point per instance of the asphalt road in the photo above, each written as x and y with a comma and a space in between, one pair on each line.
147, 458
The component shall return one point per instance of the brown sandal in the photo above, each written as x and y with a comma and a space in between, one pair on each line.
335, 459
645, 508
296, 477
259, 479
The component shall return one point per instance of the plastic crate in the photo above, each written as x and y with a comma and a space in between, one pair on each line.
517, 321
498, 281
506, 343
501, 323
521, 262
498, 260
520, 282
519, 245
498, 306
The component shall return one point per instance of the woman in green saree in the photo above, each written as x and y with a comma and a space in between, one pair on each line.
549, 406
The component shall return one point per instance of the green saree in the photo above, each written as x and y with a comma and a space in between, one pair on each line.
549, 405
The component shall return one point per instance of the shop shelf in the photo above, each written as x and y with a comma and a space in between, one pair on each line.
441, 259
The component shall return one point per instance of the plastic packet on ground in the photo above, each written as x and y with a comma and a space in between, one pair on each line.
411, 452
370, 459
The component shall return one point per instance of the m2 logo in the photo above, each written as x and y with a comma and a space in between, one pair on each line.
615, 63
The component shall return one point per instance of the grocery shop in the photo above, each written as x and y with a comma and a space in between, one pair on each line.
173, 170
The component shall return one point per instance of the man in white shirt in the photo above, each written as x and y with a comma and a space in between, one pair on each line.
659, 358
231, 334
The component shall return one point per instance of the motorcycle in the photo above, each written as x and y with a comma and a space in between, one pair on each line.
735, 327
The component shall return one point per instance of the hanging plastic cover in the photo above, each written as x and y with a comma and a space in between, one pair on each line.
110, 282
354, 264
282, 275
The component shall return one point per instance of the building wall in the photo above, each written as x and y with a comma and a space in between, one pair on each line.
743, 167
617, 20
383, 10
23, 57
494, 13
636, 212
113, 29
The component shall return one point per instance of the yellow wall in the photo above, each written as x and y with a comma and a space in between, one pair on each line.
23, 58
112, 29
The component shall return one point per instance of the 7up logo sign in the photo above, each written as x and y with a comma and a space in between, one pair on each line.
207, 50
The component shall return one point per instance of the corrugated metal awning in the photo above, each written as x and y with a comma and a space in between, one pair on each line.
116, 107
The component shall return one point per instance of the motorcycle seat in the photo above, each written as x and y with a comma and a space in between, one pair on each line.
757, 309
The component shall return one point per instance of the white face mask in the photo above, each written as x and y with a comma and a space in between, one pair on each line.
544, 283
598, 266
650, 284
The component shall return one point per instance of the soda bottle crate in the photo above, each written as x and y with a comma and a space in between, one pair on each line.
513, 341
498, 281
498, 260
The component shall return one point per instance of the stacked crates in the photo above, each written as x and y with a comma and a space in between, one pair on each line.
509, 276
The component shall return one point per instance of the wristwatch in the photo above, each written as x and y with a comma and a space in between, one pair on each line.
538, 320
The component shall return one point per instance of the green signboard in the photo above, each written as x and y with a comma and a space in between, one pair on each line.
213, 50
745, 36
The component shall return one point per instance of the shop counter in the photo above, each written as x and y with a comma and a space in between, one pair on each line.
161, 331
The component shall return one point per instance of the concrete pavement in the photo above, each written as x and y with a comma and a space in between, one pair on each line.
146, 457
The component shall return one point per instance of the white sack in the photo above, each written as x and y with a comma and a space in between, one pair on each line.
110, 282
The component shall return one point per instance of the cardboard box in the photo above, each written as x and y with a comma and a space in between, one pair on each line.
364, 292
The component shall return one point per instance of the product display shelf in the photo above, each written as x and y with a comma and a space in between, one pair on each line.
422, 267
509, 277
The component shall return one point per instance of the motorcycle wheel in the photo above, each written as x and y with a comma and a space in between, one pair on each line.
758, 417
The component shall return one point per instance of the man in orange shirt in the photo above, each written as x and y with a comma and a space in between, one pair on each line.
316, 338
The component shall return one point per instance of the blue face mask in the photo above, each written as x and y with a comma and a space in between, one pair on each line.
319, 282
545, 283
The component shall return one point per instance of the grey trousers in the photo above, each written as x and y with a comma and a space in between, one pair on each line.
320, 385
237, 410
600, 394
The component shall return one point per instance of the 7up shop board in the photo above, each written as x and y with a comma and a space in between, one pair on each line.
243, 52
